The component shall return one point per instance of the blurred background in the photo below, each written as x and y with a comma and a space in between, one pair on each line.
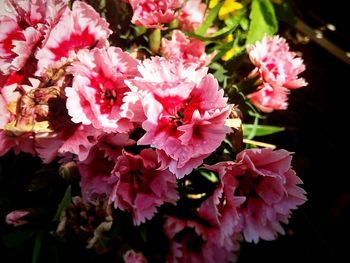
316, 131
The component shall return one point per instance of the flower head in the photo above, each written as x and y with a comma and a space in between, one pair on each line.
186, 49
194, 241
79, 28
185, 112
270, 97
141, 187
96, 95
23, 27
192, 15
154, 13
131, 256
270, 187
276, 64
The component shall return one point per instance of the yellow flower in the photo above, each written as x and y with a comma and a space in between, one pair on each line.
229, 7
230, 53
229, 38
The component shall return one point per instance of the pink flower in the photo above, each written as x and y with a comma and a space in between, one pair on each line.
79, 28
141, 186
185, 112
154, 13
276, 64
224, 203
265, 178
80, 141
23, 26
97, 179
131, 256
195, 242
16, 218
270, 97
192, 14
98, 88
186, 49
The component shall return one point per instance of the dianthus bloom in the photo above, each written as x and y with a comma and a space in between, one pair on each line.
131, 256
97, 178
278, 68
270, 97
185, 112
79, 28
98, 88
154, 13
186, 49
275, 63
141, 186
270, 187
196, 241
192, 14
23, 26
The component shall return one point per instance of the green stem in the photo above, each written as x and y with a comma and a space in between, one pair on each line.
154, 40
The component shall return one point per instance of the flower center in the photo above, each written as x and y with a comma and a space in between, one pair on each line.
106, 97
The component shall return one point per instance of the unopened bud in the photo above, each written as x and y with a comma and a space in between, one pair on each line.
69, 171
16, 218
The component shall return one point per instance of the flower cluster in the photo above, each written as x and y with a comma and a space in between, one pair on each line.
151, 135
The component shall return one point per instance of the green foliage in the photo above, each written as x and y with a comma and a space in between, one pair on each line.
260, 130
209, 20
263, 20
66, 200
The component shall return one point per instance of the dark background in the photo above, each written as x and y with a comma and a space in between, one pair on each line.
316, 131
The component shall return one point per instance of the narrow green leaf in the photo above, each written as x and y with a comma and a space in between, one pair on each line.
66, 200
37, 247
262, 20
209, 175
209, 20
260, 130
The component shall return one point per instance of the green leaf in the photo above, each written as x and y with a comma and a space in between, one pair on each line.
263, 20
209, 175
37, 247
220, 71
209, 20
260, 130
66, 200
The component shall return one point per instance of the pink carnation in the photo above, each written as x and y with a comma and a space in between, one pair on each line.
276, 64
79, 28
195, 242
224, 203
265, 178
23, 26
154, 13
98, 88
131, 256
141, 186
97, 178
80, 141
185, 111
192, 14
270, 97
186, 49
